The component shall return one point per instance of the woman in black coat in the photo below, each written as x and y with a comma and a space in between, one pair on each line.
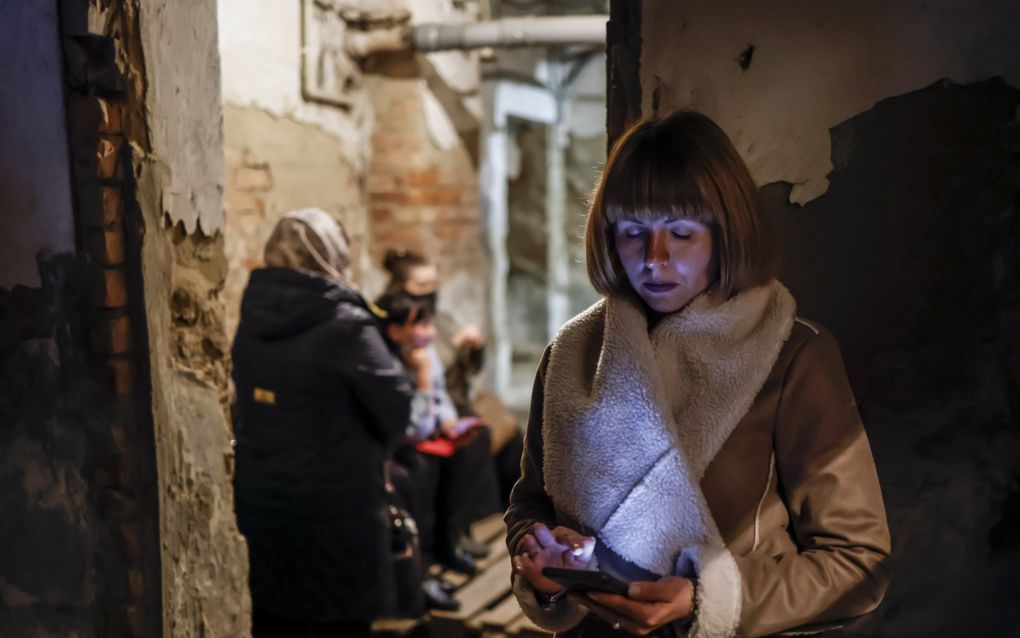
320, 403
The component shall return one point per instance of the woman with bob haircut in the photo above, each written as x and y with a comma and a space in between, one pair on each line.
689, 433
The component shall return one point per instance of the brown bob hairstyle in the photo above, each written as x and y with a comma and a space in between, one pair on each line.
681, 166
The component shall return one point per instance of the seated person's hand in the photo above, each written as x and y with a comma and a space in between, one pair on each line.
647, 606
468, 337
419, 360
450, 428
454, 428
559, 547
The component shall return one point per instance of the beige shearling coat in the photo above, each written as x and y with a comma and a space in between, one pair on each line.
725, 445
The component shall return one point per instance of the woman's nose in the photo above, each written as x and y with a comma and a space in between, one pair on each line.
657, 252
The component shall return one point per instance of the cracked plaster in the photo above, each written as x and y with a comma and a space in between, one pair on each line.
815, 65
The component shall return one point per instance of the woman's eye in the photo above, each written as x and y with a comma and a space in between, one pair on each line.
680, 235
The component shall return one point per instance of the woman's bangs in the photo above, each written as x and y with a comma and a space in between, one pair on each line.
643, 187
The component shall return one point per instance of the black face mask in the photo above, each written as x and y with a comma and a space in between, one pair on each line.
431, 298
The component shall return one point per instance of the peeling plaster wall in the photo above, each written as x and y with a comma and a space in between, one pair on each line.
814, 65
260, 47
274, 165
184, 114
36, 189
282, 152
285, 152
169, 55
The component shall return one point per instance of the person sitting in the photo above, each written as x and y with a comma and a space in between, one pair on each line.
448, 454
458, 351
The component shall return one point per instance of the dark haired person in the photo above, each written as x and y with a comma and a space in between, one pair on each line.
689, 432
446, 470
321, 401
458, 355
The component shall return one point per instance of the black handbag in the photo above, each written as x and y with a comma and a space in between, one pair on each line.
405, 554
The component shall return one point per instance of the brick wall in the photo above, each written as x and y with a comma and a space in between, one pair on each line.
421, 197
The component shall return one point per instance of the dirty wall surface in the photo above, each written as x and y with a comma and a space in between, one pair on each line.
810, 66
168, 53
896, 128
373, 145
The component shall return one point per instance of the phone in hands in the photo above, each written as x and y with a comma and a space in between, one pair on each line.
583, 580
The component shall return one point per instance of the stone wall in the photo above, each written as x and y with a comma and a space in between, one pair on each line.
902, 241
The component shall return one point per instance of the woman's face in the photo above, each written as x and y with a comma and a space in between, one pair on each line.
666, 260
422, 280
412, 335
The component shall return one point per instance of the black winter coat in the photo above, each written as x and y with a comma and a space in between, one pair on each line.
320, 401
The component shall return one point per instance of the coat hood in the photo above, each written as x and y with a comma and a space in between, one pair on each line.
280, 302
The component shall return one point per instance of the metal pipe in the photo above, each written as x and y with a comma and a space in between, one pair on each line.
511, 32
508, 32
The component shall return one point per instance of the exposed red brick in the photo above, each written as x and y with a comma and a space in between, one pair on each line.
239, 202
128, 538
108, 158
438, 196
112, 292
112, 120
400, 237
112, 335
136, 583
252, 179
105, 245
455, 231
248, 222
112, 210
122, 376
233, 157
426, 177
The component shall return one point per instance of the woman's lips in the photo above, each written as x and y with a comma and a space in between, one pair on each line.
659, 286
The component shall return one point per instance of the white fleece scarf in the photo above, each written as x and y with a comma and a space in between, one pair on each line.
632, 419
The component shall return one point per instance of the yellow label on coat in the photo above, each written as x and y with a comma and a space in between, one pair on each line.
265, 396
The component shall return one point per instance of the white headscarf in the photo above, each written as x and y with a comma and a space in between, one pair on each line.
310, 239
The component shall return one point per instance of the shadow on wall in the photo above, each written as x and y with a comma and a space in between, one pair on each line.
912, 258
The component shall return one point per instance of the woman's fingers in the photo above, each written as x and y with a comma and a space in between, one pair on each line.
665, 590
580, 545
542, 534
611, 616
531, 569
650, 605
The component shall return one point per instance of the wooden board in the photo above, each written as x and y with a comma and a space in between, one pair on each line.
501, 616
487, 529
485, 588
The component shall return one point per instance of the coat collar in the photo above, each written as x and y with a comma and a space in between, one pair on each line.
632, 418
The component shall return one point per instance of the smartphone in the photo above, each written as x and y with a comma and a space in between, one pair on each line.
586, 580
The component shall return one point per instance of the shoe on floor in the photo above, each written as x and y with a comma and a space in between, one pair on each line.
460, 561
447, 586
437, 598
473, 547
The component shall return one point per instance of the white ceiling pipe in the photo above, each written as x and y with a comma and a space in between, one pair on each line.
511, 32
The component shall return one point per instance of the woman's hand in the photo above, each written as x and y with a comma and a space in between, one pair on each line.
559, 547
468, 337
419, 360
647, 606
